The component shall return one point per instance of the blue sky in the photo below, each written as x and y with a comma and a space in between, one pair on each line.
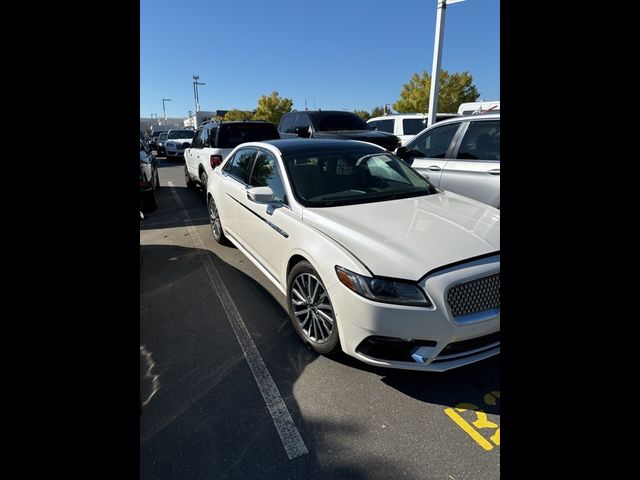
335, 54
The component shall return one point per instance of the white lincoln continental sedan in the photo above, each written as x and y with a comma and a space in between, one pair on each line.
372, 258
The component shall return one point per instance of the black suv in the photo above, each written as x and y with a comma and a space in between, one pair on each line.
333, 124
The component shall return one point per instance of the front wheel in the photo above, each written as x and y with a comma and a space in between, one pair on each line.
310, 309
216, 224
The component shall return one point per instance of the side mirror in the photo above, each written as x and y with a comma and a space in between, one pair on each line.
401, 152
260, 194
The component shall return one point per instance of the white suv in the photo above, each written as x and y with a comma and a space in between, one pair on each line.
177, 141
405, 125
213, 141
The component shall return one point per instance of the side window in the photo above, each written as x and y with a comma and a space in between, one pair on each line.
435, 143
383, 125
213, 135
481, 141
238, 166
265, 173
287, 123
301, 121
203, 138
197, 143
412, 126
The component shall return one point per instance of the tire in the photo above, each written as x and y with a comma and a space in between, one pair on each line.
157, 180
312, 314
149, 202
216, 224
187, 178
203, 179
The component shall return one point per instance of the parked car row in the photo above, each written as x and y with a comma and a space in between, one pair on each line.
388, 252
458, 153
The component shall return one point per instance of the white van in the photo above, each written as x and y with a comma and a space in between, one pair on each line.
471, 108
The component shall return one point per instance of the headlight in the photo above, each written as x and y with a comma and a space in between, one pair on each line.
379, 290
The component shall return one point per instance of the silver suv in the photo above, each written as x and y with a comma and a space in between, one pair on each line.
461, 155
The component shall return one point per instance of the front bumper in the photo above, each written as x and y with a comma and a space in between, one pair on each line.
418, 336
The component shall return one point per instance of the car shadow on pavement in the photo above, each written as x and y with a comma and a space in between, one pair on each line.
170, 215
203, 416
467, 384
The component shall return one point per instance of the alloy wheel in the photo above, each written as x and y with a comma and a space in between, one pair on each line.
214, 218
312, 308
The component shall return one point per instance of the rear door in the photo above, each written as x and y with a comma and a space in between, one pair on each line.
475, 169
434, 147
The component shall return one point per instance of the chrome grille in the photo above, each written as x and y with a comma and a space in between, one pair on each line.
475, 296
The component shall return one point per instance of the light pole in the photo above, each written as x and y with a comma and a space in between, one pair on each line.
437, 57
195, 91
164, 111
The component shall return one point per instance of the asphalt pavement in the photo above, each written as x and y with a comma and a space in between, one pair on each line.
229, 391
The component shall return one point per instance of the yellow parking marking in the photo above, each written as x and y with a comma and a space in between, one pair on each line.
481, 421
462, 423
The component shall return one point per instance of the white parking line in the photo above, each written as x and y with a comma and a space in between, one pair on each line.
287, 430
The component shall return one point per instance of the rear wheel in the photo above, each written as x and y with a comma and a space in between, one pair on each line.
203, 179
187, 178
310, 309
216, 224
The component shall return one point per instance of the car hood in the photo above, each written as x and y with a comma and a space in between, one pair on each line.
409, 237
384, 139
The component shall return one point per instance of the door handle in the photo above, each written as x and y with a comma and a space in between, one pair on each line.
434, 168
495, 171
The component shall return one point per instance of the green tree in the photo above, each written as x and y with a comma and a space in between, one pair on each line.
272, 107
363, 114
236, 114
377, 112
455, 89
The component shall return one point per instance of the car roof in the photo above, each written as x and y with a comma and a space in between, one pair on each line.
304, 145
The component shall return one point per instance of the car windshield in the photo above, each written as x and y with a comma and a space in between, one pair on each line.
188, 134
162, 136
328, 122
332, 178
